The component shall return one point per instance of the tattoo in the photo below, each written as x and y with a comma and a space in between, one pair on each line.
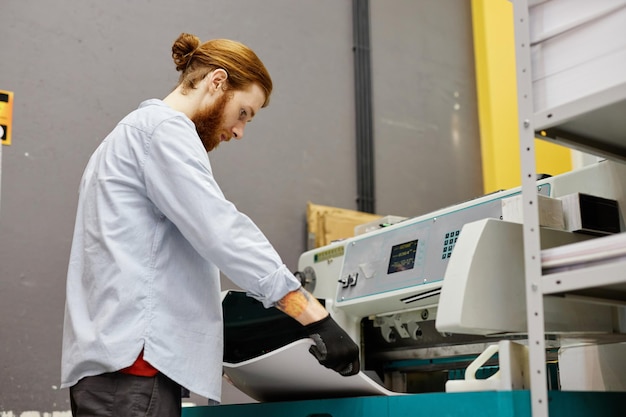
294, 303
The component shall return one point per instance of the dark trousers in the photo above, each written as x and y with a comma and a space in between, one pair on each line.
121, 395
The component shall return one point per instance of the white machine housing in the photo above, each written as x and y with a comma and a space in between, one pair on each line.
398, 271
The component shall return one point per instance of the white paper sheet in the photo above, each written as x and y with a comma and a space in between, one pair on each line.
292, 373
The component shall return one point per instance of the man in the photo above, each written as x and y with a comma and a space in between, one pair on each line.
153, 229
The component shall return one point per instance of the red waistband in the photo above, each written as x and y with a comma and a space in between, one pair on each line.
140, 367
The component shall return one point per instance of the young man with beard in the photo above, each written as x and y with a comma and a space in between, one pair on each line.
153, 229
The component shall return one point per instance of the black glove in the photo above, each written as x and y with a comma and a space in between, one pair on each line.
333, 347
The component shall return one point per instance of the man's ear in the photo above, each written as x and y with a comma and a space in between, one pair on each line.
217, 79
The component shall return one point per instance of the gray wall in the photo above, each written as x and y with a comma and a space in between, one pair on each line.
77, 67
427, 153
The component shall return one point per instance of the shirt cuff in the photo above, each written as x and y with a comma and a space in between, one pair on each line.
275, 286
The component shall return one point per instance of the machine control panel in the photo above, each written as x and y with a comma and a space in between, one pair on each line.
402, 266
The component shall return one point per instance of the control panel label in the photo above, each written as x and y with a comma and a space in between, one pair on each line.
328, 254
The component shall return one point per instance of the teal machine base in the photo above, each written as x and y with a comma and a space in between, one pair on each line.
474, 404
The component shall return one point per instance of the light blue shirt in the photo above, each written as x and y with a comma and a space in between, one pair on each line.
152, 231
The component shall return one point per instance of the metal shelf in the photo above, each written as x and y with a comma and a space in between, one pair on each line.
594, 122
604, 283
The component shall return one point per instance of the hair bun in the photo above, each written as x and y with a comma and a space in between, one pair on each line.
183, 50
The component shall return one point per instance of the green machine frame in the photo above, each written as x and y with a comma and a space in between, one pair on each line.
474, 404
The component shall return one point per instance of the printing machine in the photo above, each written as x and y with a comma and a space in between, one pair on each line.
427, 296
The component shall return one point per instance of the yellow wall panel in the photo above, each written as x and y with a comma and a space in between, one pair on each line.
494, 46
551, 158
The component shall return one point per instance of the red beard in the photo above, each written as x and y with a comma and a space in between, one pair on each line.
209, 121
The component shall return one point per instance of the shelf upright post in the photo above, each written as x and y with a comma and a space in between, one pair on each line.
532, 248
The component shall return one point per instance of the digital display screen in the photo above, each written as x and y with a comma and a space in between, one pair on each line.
402, 257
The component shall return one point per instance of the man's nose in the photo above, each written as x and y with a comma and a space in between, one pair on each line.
238, 131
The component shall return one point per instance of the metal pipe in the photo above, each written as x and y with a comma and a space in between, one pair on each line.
363, 102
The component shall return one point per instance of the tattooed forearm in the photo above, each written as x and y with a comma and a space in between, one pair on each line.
294, 303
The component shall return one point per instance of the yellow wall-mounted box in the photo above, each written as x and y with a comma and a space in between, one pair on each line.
6, 116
